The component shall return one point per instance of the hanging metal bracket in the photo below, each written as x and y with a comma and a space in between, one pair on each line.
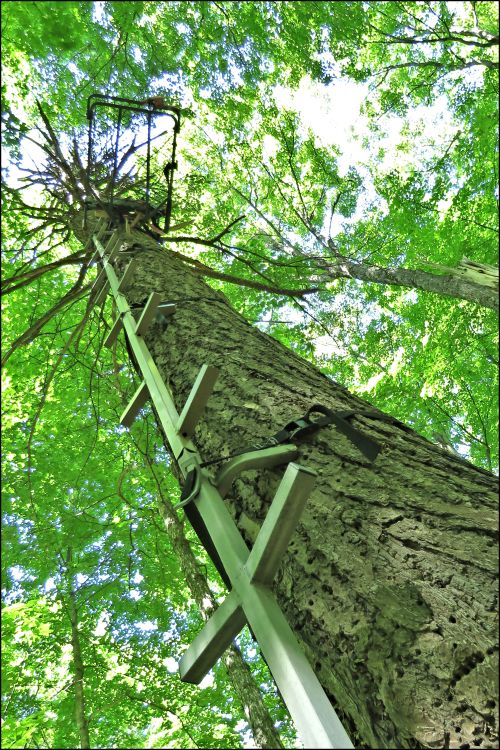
262, 459
113, 334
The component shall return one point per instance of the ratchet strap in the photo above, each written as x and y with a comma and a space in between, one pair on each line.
296, 430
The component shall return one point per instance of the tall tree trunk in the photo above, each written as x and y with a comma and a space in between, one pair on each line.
390, 582
78, 669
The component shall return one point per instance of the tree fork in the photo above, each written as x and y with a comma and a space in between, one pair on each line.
390, 582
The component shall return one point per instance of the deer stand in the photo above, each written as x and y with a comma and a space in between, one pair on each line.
132, 198
120, 128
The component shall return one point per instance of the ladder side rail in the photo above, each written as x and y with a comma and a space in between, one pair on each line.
312, 712
164, 402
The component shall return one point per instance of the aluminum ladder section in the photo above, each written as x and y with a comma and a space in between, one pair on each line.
251, 574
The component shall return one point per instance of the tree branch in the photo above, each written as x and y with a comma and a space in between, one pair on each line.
75, 293
203, 270
17, 281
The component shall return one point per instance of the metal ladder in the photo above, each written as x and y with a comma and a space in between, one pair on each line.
250, 573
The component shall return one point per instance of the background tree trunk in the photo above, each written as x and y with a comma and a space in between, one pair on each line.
390, 580
78, 669
451, 284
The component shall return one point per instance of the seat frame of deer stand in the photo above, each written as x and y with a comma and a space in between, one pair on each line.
118, 209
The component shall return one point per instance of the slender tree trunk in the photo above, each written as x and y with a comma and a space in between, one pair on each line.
256, 713
482, 291
390, 582
449, 285
78, 669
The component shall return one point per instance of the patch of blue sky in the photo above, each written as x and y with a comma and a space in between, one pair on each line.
137, 54
183, 28
18, 573
98, 12
146, 626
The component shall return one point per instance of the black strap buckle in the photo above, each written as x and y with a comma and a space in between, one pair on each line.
305, 425
299, 428
302, 426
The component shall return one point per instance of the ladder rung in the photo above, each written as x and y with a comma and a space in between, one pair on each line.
148, 313
100, 280
113, 334
279, 524
136, 403
113, 247
102, 294
98, 235
99, 232
210, 644
197, 399
114, 252
111, 242
101, 228
99, 254
96, 257
127, 276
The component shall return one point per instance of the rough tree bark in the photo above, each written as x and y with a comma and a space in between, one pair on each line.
390, 580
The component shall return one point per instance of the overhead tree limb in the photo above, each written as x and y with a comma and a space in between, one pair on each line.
16, 282
204, 270
226, 230
75, 293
